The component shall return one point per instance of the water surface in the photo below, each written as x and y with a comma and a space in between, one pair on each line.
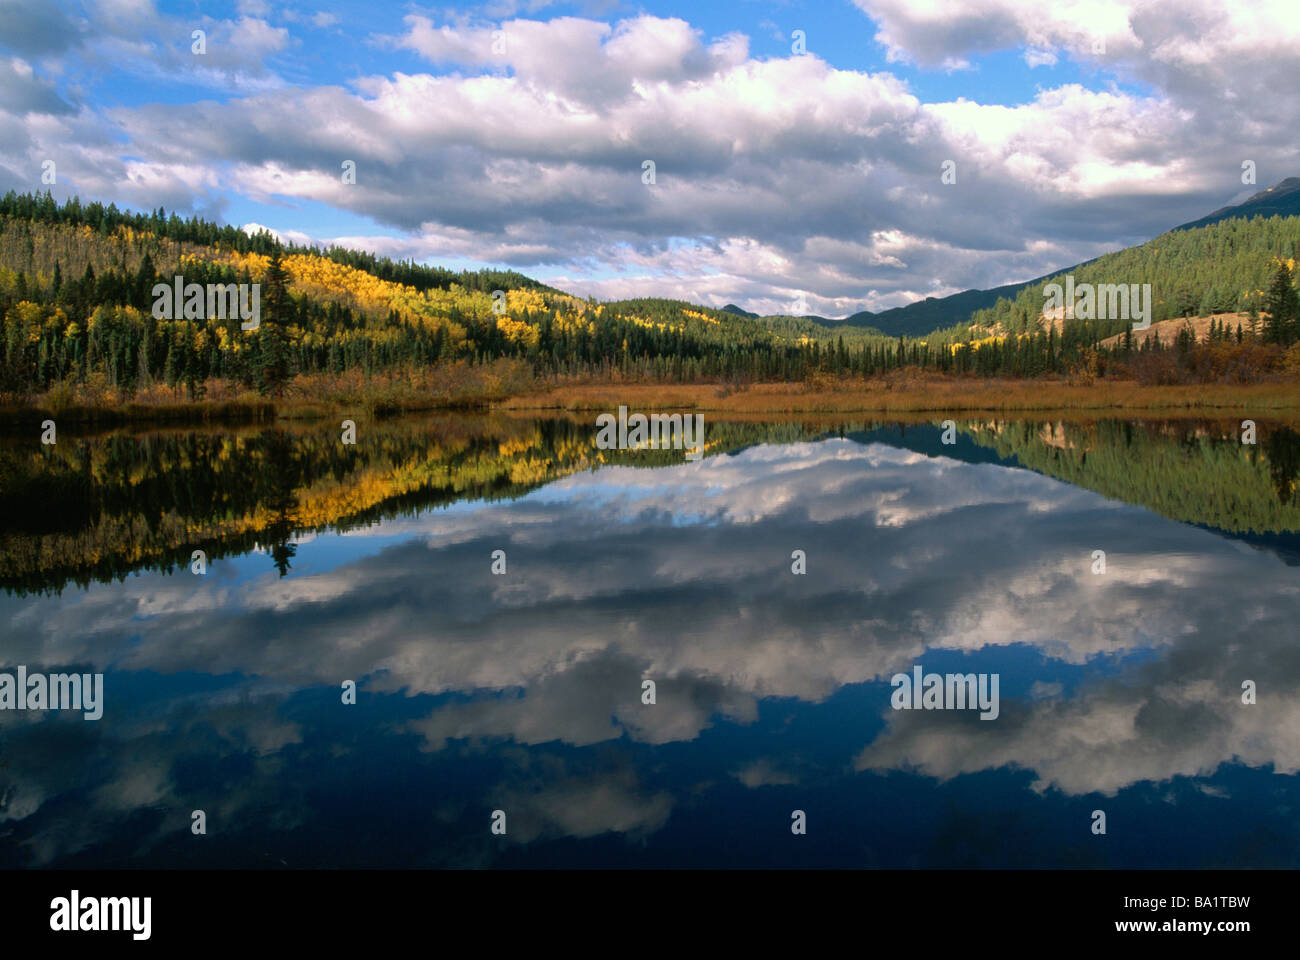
1119, 691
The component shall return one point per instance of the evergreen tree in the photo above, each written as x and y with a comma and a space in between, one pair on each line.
1283, 307
276, 310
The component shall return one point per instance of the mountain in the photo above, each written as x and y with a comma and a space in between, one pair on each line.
938, 313
1222, 268
932, 313
1282, 200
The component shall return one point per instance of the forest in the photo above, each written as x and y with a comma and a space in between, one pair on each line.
76, 304
1226, 267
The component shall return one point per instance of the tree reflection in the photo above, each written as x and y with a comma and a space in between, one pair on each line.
1282, 447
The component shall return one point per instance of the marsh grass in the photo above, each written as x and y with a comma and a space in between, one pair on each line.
918, 394
511, 385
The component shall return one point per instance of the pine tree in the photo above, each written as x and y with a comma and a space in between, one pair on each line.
276, 307
1283, 307
169, 365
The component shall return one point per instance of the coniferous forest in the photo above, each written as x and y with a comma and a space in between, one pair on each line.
77, 301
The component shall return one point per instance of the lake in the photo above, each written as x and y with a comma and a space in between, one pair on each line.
1131, 585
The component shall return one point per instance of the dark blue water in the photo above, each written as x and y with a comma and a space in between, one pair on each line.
522, 693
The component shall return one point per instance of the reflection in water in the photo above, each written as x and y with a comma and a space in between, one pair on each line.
1282, 447
523, 692
98, 509
1192, 471
279, 481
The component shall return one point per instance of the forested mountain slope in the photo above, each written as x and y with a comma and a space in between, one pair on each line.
1220, 268
935, 313
78, 307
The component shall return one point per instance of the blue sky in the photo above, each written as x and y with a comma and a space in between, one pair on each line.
514, 133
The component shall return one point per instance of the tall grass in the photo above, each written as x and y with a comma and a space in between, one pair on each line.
915, 393
446, 386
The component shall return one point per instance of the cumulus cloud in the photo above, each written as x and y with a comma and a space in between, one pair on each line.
22, 91
34, 28
522, 143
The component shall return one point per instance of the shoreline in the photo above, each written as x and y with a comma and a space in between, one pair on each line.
929, 396
880, 396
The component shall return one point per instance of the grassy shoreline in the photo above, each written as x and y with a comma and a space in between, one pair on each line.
108, 415
933, 395
927, 396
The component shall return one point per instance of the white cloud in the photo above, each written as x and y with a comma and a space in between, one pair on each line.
774, 176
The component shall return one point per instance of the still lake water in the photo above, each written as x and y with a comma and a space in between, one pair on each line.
1119, 691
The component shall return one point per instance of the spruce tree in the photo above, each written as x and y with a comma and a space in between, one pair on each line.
276, 307
1283, 307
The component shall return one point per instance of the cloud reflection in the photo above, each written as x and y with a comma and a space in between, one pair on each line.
682, 575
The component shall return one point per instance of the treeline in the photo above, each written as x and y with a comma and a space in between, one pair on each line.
421, 277
76, 308
121, 345
105, 220
161, 226
1222, 268
101, 327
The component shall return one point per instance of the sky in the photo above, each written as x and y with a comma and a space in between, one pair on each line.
821, 157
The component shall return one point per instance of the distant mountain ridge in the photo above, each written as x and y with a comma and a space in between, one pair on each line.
1282, 200
937, 313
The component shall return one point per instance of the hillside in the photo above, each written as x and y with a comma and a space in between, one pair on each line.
80, 325
76, 299
938, 313
933, 313
1220, 268
1201, 328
